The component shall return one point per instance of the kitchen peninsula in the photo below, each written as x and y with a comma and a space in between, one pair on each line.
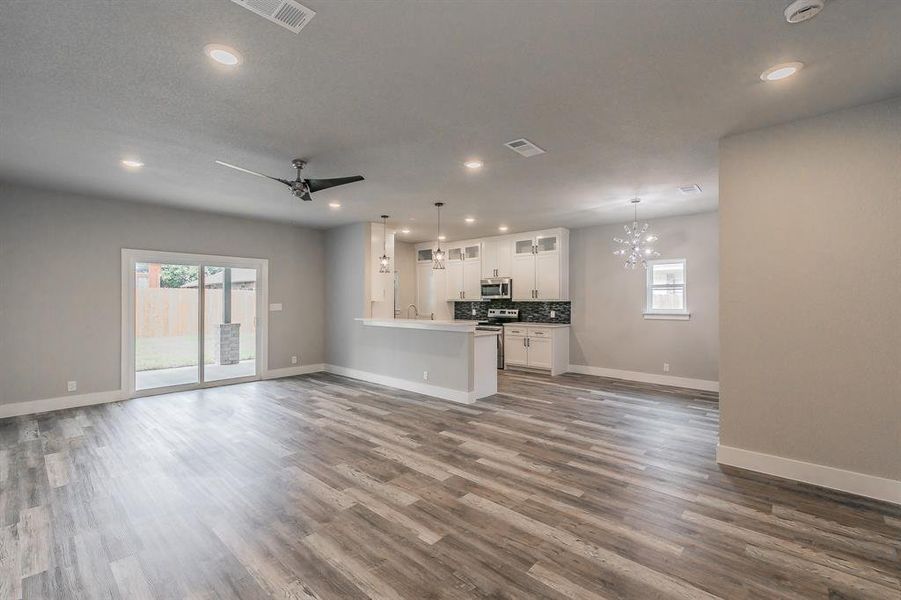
443, 358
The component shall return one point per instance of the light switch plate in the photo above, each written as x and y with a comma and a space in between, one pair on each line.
275, 307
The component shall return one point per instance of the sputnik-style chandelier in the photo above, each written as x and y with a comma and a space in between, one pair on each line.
438, 263
636, 245
384, 259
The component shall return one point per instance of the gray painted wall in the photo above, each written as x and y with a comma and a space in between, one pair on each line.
346, 249
810, 218
60, 262
404, 354
608, 329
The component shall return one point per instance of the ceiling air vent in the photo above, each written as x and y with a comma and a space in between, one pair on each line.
524, 147
287, 13
690, 189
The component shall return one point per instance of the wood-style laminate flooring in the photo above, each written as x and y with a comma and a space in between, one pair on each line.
325, 487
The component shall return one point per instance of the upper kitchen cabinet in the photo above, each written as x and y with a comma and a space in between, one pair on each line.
464, 271
541, 265
497, 257
430, 284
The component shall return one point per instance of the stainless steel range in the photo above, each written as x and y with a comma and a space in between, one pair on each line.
496, 319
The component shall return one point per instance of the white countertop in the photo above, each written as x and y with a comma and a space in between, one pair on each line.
531, 324
434, 325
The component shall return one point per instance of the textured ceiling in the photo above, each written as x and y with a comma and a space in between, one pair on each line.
627, 97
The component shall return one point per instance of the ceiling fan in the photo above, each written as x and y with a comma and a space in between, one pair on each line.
300, 187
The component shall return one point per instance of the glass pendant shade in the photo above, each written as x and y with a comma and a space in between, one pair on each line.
384, 259
438, 256
635, 246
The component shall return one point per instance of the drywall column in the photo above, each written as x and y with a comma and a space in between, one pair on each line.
810, 290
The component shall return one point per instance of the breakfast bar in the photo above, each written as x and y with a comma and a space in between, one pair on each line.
441, 358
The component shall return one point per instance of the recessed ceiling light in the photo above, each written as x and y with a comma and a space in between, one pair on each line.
441, 238
224, 55
473, 164
405, 230
334, 205
132, 163
502, 228
470, 219
781, 71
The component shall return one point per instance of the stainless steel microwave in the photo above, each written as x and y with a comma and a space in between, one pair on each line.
497, 287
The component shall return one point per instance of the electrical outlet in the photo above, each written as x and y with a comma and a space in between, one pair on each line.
666, 367
425, 375
71, 386
293, 360
473, 312
553, 314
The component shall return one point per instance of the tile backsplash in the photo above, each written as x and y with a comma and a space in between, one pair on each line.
535, 312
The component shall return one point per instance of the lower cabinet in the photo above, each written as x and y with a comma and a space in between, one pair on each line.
537, 347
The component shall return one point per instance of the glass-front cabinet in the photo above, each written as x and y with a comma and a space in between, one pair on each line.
540, 269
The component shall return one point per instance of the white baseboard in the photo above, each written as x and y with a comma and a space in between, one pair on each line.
62, 402
292, 371
880, 488
682, 382
405, 384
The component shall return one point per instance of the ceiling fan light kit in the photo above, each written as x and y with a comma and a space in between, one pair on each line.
300, 187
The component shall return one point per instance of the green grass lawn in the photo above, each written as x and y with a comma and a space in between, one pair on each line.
181, 351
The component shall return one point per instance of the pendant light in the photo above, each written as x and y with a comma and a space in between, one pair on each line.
636, 246
438, 263
384, 259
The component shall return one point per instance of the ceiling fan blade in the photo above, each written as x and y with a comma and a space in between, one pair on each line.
307, 197
323, 184
243, 170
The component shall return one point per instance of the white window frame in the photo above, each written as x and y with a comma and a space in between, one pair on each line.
666, 314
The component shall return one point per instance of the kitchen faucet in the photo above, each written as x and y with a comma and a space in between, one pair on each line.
415, 311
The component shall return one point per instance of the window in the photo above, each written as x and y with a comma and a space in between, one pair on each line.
666, 290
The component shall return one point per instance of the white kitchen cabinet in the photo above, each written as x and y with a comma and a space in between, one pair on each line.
541, 354
544, 347
537, 262
523, 276
547, 276
424, 255
423, 289
464, 271
497, 257
515, 352
541, 265
430, 285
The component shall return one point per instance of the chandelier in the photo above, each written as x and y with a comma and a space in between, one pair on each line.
384, 260
438, 263
636, 245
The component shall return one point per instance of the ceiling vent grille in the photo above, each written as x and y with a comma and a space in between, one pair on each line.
524, 147
690, 189
287, 13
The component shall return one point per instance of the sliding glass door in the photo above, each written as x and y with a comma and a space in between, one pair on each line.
190, 320
229, 324
167, 325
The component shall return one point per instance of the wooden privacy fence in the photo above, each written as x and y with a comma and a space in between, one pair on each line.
163, 312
